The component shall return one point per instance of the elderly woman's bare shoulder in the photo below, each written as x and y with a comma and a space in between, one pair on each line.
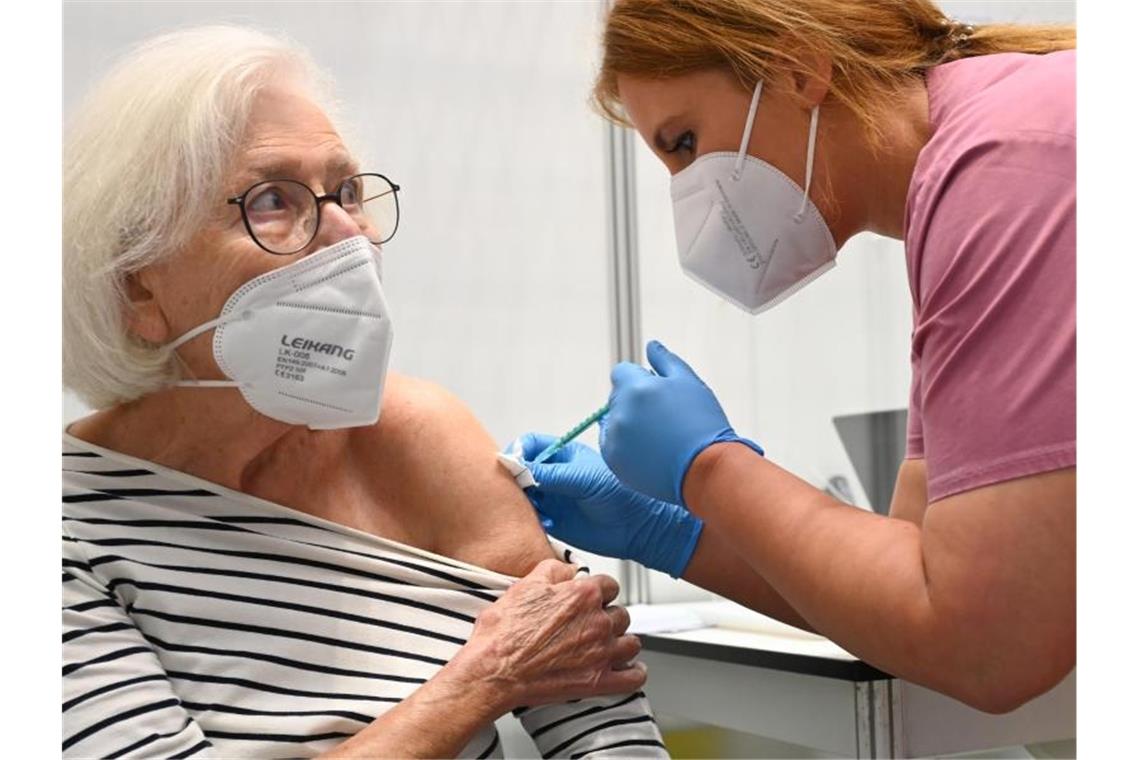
429, 450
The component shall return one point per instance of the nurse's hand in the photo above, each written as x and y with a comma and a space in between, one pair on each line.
659, 423
582, 503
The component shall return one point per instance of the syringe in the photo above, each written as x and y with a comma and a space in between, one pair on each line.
576, 431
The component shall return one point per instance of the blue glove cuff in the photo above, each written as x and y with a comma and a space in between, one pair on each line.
727, 435
685, 556
734, 438
668, 544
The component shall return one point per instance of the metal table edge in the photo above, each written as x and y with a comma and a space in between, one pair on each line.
825, 667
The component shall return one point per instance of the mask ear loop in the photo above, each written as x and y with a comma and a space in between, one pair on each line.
799, 217
742, 153
194, 333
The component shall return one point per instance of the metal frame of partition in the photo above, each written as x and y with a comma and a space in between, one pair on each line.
624, 288
624, 285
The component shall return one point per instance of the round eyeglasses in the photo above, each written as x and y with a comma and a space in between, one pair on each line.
283, 215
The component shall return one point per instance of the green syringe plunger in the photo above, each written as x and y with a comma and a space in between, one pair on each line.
576, 431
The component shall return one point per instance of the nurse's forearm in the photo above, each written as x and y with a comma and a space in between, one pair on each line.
717, 567
855, 576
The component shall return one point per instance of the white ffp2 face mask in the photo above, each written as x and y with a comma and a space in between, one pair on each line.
745, 230
308, 343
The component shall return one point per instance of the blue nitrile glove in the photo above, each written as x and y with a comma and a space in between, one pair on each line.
659, 423
581, 502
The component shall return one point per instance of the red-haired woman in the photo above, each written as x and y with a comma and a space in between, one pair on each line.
789, 128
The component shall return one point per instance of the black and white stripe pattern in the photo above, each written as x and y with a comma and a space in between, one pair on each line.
202, 622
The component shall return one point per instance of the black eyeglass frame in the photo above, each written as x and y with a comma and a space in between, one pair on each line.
334, 197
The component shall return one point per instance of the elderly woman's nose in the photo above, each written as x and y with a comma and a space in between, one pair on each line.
336, 225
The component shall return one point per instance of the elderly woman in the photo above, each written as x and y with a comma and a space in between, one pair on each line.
260, 558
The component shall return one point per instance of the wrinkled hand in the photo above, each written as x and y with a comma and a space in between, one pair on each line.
581, 502
551, 638
659, 423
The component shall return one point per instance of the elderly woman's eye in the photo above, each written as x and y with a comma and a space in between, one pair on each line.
350, 192
267, 200
687, 141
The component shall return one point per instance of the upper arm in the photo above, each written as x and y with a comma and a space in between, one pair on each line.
992, 264
445, 462
909, 499
1001, 576
621, 726
116, 695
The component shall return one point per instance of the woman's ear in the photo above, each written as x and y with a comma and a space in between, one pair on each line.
143, 313
813, 79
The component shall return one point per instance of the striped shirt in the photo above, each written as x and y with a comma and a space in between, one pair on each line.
200, 621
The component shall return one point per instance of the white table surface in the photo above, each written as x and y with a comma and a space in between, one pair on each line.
794, 705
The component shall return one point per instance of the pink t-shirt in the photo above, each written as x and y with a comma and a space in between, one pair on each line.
991, 256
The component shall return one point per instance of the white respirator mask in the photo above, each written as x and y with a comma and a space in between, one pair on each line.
308, 343
745, 230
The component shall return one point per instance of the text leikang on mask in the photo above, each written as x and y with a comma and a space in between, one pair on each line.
308, 343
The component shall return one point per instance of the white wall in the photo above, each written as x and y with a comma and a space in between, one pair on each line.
496, 277
1021, 11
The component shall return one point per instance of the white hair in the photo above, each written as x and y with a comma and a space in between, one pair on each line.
145, 159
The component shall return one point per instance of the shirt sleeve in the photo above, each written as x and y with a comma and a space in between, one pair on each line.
994, 344
621, 726
117, 700
914, 439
